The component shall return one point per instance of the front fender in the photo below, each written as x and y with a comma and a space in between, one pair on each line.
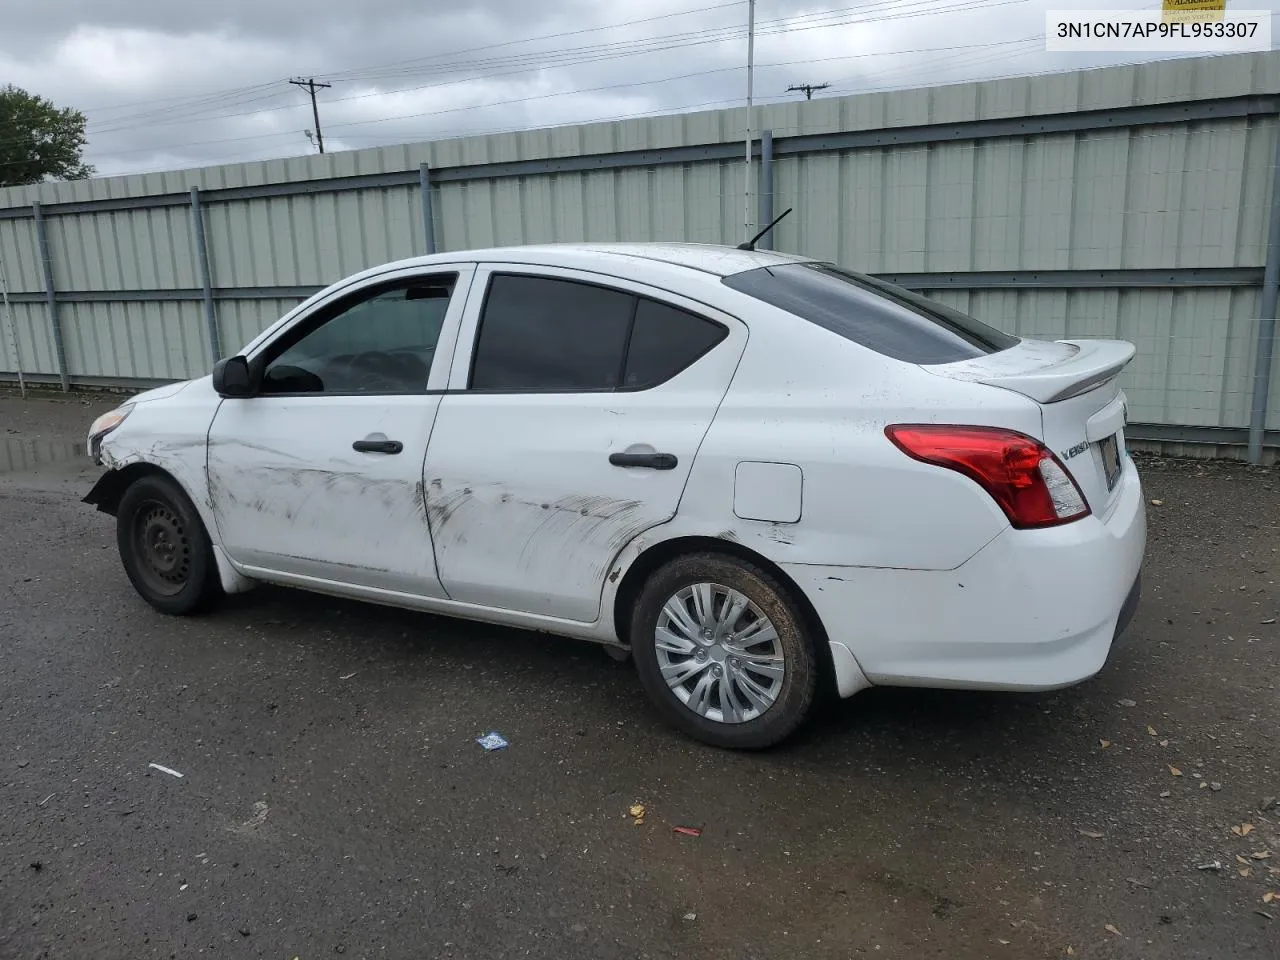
110, 487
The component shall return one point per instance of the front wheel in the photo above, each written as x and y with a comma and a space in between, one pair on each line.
723, 652
164, 547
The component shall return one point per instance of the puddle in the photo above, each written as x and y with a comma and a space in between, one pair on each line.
18, 455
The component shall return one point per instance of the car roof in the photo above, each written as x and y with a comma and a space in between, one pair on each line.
711, 258
683, 268
715, 259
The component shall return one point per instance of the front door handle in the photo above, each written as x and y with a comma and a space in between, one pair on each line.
377, 446
654, 461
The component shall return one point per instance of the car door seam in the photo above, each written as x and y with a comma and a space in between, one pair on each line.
424, 482
605, 578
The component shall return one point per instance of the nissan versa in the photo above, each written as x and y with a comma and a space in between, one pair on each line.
762, 474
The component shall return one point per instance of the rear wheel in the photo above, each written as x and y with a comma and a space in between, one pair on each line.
164, 547
723, 652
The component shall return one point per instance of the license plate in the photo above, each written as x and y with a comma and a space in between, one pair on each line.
1111, 460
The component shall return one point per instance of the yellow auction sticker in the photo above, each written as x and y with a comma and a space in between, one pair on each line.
1187, 11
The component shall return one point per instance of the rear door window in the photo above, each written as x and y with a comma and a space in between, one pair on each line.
552, 335
880, 316
540, 333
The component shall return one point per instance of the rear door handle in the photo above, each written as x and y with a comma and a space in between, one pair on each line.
377, 446
654, 461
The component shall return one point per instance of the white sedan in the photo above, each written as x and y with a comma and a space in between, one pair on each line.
762, 474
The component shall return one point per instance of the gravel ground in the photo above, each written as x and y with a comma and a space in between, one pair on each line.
334, 801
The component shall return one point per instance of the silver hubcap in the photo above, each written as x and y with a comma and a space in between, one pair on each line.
719, 653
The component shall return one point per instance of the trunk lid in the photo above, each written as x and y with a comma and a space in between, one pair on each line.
1082, 407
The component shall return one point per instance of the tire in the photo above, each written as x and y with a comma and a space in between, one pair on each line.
763, 709
165, 548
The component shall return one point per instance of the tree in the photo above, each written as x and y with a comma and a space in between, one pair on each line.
38, 141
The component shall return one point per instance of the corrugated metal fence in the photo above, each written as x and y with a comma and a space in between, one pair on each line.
1131, 202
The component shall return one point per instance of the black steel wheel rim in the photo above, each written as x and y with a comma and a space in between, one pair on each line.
162, 548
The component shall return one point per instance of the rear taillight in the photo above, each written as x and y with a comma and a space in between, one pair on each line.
1020, 473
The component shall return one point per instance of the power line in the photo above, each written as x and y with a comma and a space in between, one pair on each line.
672, 110
527, 62
355, 73
658, 111
890, 80
592, 53
813, 20
636, 45
186, 112
193, 100
351, 74
886, 10
741, 33
978, 51
230, 96
311, 87
194, 97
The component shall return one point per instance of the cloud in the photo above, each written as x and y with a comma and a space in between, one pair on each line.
170, 85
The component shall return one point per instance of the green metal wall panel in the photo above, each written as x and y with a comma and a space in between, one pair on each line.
34, 340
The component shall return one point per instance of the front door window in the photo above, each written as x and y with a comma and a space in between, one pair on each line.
379, 342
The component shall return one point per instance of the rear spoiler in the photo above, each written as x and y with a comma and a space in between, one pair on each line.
1046, 372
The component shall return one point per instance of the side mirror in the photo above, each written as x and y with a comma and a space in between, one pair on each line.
231, 378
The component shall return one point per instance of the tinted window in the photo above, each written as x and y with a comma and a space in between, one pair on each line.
664, 341
382, 342
879, 315
537, 333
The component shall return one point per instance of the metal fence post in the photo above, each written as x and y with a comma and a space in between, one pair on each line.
1266, 317
766, 186
51, 303
12, 330
428, 219
206, 275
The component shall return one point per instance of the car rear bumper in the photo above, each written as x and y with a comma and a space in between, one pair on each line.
1033, 610
1130, 607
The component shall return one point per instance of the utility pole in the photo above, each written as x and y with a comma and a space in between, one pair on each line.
807, 89
311, 87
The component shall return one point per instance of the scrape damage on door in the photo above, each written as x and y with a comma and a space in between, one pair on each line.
531, 536
337, 520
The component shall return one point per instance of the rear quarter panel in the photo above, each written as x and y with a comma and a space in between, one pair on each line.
806, 396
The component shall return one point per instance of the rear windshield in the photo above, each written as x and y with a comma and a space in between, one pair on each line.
879, 315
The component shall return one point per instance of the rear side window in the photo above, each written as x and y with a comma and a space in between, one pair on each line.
880, 316
549, 335
665, 341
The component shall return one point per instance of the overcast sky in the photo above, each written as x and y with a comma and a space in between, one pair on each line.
170, 84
